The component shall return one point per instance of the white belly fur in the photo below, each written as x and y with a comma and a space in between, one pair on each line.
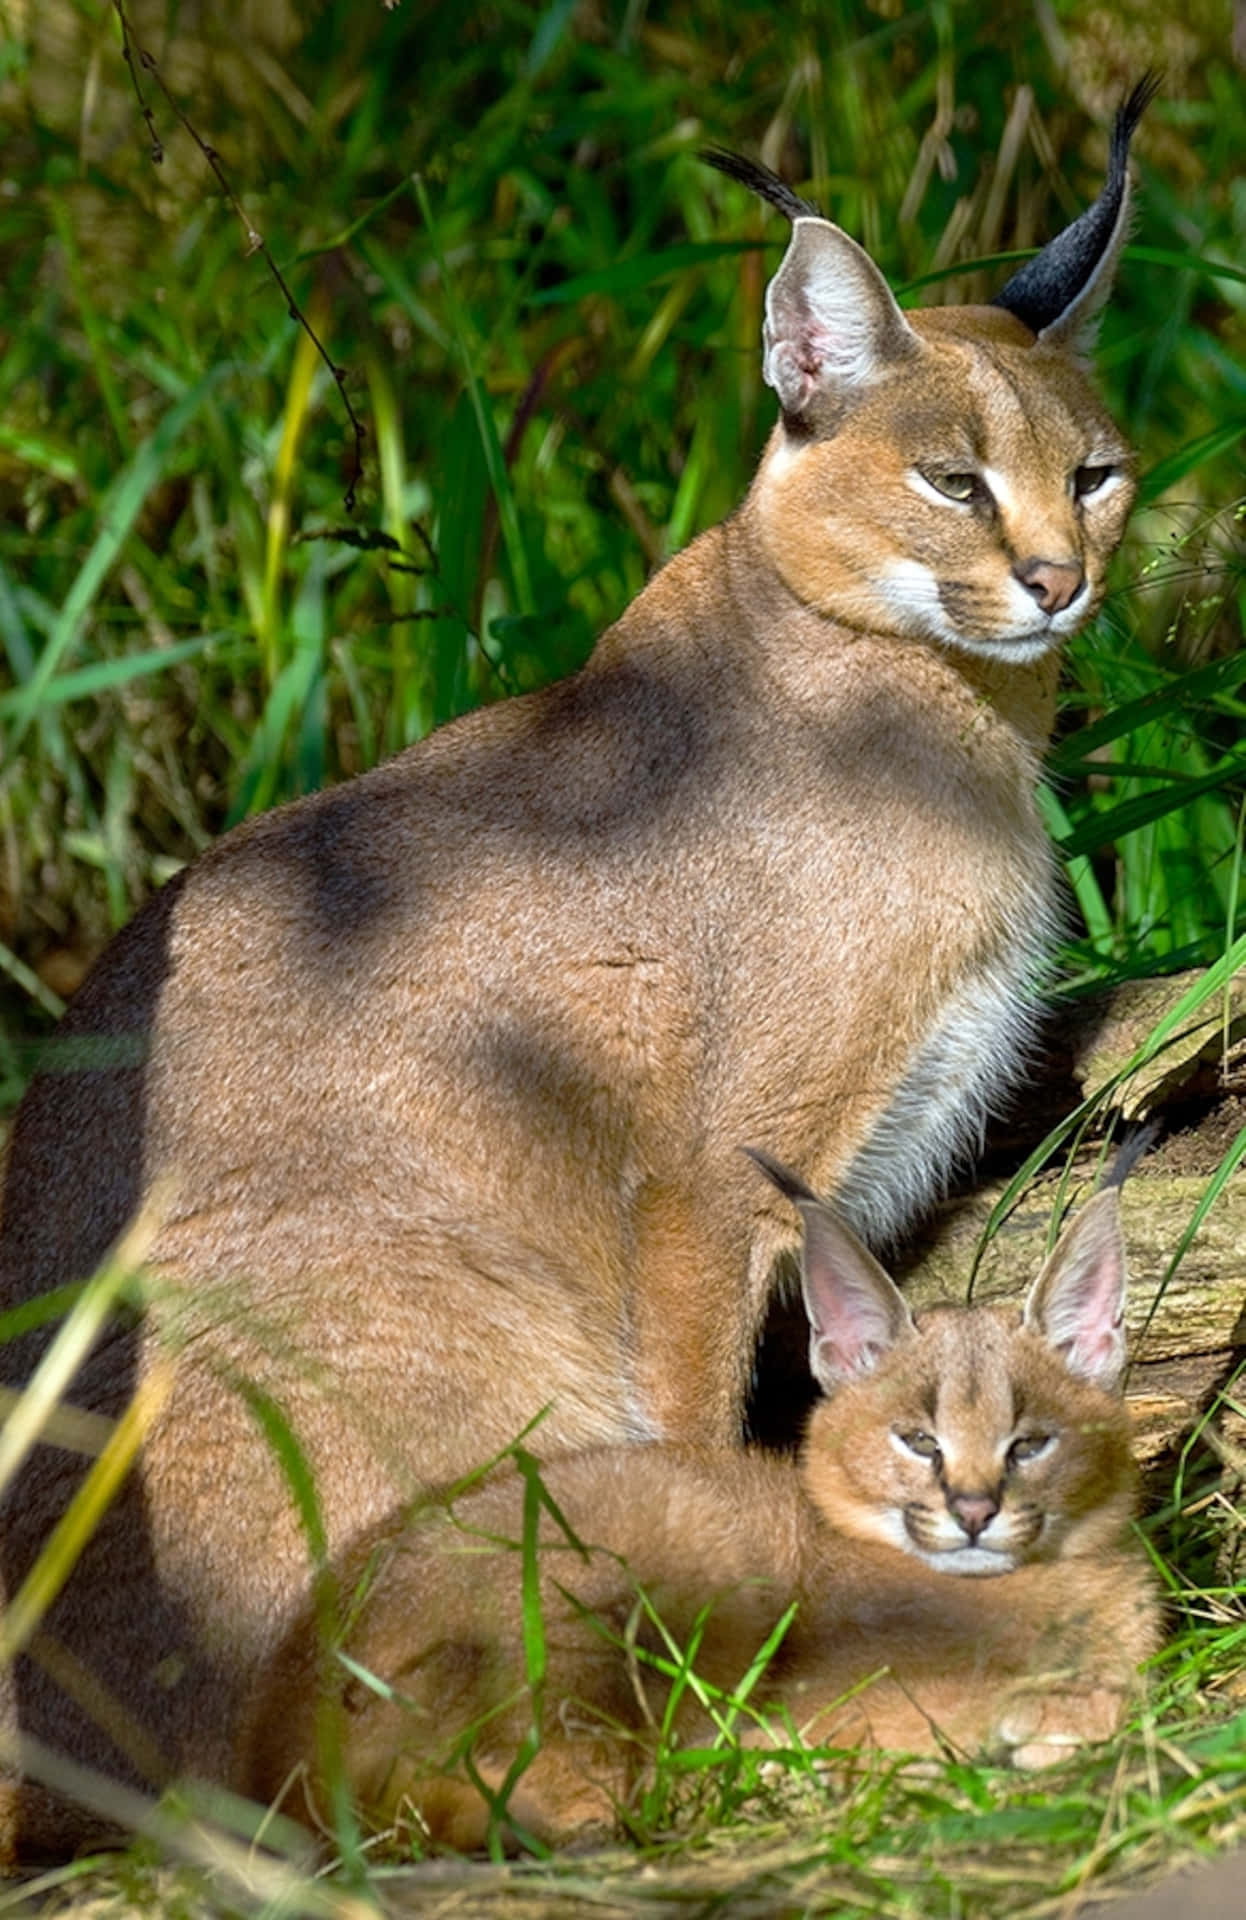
958, 1078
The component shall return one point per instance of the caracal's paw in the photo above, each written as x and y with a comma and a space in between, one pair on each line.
1039, 1728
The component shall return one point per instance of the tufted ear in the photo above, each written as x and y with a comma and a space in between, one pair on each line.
832, 323
856, 1311
1059, 294
1078, 1301
761, 181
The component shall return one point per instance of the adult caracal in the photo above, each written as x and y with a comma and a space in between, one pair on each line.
968, 1442
442, 1075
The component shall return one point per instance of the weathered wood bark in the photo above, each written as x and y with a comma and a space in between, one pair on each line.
1188, 1326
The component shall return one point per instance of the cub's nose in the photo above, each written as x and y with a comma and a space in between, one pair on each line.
973, 1511
1053, 583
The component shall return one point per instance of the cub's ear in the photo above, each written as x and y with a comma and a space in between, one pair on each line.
1077, 1303
832, 323
1059, 293
856, 1311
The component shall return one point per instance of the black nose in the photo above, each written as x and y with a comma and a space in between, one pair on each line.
1055, 584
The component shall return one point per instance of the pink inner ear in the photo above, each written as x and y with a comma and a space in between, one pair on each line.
801, 349
1078, 1299
852, 1342
793, 376
855, 1311
1095, 1353
813, 348
831, 319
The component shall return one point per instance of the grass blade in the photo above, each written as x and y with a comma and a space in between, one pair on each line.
81, 1328
117, 515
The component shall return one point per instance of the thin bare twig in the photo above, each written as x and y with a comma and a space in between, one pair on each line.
138, 58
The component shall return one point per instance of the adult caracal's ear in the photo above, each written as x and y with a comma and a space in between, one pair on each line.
832, 323
856, 1311
831, 319
1059, 293
1078, 1301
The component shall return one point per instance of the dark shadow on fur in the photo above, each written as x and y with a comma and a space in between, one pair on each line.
91, 1088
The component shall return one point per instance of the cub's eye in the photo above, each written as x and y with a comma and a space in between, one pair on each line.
924, 1445
1029, 1446
956, 486
1088, 480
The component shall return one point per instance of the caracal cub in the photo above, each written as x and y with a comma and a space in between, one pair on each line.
959, 1527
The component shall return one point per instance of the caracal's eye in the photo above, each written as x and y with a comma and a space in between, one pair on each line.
956, 486
1030, 1446
924, 1445
1088, 480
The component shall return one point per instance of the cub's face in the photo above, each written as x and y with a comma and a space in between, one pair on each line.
972, 1446
970, 496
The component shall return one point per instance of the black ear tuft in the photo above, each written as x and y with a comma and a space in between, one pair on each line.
1133, 107
1137, 1142
760, 180
785, 1180
1065, 277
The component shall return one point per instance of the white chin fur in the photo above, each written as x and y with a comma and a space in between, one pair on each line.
977, 1561
910, 593
1019, 652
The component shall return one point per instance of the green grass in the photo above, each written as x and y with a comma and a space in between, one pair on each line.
548, 314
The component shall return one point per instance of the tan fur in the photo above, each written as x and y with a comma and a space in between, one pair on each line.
1022, 1665
449, 1068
